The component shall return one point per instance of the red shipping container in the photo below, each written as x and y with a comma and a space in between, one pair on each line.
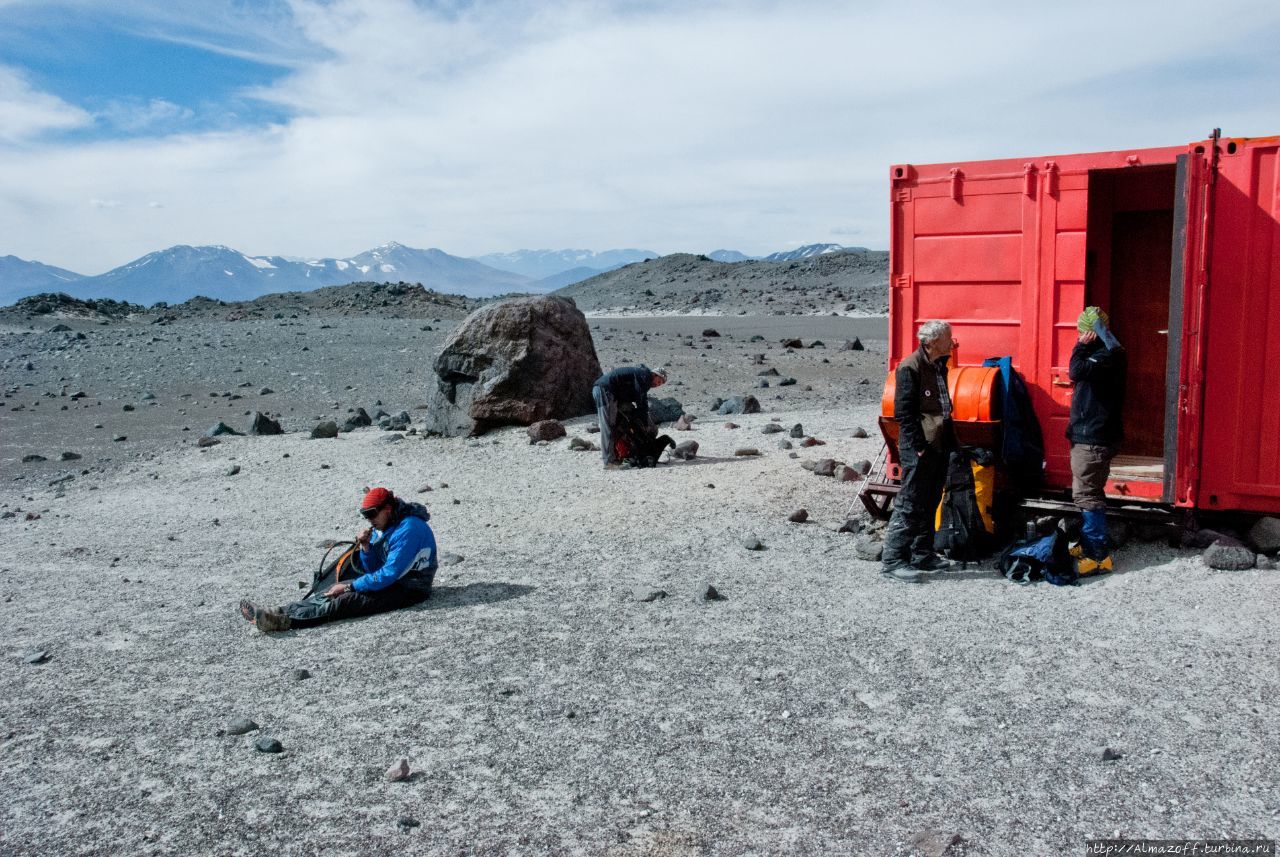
1181, 245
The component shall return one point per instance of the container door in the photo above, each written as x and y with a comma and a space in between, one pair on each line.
1184, 379
1239, 327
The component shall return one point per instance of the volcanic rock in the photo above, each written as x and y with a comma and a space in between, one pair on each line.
545, 430
515, 361
739, 405
264, 425
685, 451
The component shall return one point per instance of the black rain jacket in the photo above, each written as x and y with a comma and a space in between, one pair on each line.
1096, 401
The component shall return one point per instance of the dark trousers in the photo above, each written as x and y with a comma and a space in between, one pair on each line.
316, 609
909, 536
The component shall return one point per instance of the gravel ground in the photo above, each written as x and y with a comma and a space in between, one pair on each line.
544, 709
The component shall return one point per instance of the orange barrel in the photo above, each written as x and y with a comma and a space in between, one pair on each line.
972, 389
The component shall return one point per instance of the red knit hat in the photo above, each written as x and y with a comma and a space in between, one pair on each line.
376, 499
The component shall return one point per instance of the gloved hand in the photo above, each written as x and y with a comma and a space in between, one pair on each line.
1108, 338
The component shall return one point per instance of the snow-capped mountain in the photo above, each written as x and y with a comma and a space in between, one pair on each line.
182, 272
19, 278
810, 250
539, 264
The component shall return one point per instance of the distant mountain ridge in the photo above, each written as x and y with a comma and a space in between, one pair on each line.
182, 272
539, 264
19, 278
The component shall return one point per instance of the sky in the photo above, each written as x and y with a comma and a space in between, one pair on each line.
309, 129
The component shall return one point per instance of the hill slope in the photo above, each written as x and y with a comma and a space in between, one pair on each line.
848, 282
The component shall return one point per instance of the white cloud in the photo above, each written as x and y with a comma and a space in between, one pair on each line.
667, 126
136, 115
26, 113
105, 203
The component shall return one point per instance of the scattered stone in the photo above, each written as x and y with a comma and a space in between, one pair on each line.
710, 331
261, 424
855, 345
792, 343
752, 543
797, 430
936, 843
787, 382
233, 470
1265, 535
647, 594
853, 525
859, 432
326, 429
398, 772
37, 656
665, 410
70, 456
844, 473
731, 425
220, 428
359, 419
684, 423
1110, 755
768, 373
1229, 555
241, 726
772, 428
127, 408
862, 466
582, 444
593, 428
266, 744
868, 548
685, 451
1264, 562
817, 343
799, 516
812, 441
206, 442
33, 458
265, 391
120, 438
300, 674
746, 451
447, 558
545, 430
739, 405
407, 823
784, 444
825, 467
708, 592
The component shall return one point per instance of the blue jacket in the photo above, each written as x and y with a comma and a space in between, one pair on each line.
406, 553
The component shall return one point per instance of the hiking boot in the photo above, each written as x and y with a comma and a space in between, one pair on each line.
1076, 550
266, 620
1087, 566
932, 563
902, 573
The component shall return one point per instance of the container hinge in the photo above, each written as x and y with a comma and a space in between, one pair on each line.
1029, 179
1051, 178
957, 183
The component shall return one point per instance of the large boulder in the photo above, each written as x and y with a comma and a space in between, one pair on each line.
514, 362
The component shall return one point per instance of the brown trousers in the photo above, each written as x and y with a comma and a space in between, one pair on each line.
1090, 469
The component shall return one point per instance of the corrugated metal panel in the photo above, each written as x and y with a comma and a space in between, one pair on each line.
1240, 447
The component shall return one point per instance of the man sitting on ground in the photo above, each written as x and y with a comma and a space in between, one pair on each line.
394, 568
625, 386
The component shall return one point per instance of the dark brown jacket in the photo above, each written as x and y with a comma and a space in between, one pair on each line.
917, 406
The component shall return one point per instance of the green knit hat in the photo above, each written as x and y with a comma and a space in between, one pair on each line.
1091, 314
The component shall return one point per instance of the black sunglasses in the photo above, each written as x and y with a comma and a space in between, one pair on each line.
370, 514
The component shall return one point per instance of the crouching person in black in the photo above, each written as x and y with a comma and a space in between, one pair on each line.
922, 409
394, 568
625, 387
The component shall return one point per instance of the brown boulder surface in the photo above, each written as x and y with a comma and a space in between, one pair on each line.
514, 362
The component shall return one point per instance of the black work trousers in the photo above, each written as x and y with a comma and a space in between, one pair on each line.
316, 609
909, 536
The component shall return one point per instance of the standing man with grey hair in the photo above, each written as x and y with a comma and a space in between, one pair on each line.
626, 386
922, 409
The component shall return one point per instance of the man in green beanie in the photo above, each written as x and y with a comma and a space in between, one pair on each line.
1094, 429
